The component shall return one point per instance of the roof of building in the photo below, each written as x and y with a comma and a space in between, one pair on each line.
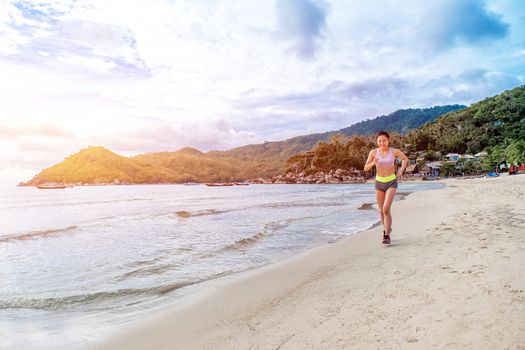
434, 164
410, 168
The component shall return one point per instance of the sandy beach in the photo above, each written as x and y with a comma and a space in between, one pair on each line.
453, 278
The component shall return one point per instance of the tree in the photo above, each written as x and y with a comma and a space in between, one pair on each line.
516, 152
430, 156
448, 169
495, 156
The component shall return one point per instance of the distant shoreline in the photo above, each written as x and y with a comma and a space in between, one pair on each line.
248, 182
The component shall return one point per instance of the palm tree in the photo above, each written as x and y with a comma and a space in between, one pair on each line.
516, 152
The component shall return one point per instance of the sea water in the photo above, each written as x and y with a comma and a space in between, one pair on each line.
76, 262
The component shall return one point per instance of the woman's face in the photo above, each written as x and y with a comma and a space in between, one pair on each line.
382, 141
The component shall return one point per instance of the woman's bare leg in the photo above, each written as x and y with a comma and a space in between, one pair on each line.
389, 198
380, 198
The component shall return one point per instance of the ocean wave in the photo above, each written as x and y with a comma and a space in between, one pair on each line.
71, 301
148, 271
237, 245
36, 234
285, 205
280, 205
268, 230
62, 204
187, 214
166, 252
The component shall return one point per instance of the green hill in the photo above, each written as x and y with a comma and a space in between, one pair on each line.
99, 165
495, 125
184, 166
497, 120
270, 158
401, 121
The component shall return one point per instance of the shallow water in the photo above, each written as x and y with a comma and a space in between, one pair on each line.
77, 261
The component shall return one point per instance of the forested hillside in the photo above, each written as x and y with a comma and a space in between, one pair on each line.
495, 124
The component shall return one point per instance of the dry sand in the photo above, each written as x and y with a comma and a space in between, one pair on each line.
453, 278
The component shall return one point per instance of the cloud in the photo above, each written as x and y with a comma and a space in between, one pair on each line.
448, 23
43, 130
160, 135
302, 23
470, 85
337, 97
48, 33
35, 154
382, 90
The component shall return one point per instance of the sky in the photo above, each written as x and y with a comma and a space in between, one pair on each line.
159, 75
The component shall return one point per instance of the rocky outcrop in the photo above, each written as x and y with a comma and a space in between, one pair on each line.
337, 176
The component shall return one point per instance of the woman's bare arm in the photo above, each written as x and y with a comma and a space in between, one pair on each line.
404, 162
370, 162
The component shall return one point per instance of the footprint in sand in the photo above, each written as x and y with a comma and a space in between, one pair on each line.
480, 266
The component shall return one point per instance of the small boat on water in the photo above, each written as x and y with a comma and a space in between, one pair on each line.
242, 183
215, 184
51, 186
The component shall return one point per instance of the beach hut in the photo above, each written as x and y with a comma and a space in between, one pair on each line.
480, 155
458, 164
431, 169
453, 156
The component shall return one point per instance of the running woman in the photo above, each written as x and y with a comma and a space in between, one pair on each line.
386, 180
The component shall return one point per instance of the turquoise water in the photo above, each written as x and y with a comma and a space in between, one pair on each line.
77, 261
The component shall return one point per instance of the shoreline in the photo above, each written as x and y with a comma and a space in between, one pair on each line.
371, 180
207, 289
346, 293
